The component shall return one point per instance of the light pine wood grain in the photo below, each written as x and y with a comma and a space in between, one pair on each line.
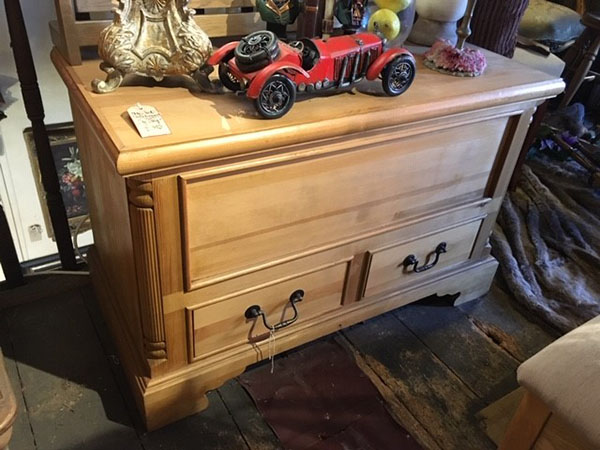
387, 271
534, 426
107, 5
230, 211
256, 216
209, 126
527, 424
559, 435
214, 25
66, 40
220, 18
352, 250
109, 214
221, 326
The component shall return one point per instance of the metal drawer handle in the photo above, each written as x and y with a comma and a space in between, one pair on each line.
256, 311
411, 260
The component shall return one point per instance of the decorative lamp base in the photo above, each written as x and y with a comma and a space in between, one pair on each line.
152, 38
427, 31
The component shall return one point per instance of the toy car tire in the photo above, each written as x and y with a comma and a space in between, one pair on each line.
276, 97
228, 79
256, 50
398, 75
249, 68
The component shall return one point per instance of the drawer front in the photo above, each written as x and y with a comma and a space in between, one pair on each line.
238, 222
404, 263
222, 325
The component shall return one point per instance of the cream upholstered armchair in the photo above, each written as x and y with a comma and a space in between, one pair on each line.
561, 406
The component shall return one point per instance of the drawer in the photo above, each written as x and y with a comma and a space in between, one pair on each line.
240, 221
407, 262
222, 325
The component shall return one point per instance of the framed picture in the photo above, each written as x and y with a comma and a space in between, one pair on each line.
65, 151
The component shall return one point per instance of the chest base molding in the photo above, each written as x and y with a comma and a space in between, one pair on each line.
163, 400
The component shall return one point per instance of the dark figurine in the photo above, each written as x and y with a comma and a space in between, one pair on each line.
270, 72
350, 13
278, 14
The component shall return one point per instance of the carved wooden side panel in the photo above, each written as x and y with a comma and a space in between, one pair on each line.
141, 204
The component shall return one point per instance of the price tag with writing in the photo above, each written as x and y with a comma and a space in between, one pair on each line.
148, 121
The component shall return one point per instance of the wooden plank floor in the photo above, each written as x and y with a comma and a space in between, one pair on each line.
435, 365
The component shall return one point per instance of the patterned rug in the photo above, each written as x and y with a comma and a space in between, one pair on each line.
547, 240
317, 398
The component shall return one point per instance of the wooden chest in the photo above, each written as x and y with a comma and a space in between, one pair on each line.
347, 202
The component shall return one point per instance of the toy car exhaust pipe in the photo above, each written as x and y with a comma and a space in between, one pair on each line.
353, 76
343, 69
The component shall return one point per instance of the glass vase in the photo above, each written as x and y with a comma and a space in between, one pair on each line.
406, 18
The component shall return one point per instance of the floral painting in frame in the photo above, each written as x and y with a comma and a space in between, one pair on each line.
65, 152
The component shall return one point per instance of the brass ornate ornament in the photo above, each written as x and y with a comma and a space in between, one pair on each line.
153, 38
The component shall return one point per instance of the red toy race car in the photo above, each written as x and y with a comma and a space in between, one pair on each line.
271, 71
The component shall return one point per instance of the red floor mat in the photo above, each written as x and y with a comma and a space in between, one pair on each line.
319, 399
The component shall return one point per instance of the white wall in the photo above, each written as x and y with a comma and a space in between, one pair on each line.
18, 190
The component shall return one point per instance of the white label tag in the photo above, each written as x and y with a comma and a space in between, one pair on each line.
148, 121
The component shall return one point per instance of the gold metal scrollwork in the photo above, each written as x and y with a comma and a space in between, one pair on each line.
153, 38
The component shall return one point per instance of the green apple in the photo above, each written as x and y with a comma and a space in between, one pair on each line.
394, 5
386, 22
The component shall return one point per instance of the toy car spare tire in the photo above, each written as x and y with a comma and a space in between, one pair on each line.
398, 75
276, 97
256, 51
228, 79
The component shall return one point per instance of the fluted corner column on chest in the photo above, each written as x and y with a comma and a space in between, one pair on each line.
143, 227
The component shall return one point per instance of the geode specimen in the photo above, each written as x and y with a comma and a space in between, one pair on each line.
444, 57
153, 38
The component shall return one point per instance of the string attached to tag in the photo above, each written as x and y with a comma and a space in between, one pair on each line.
272, 348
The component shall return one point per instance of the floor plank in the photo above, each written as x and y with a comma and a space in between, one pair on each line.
22, 437
212, 429
39, 287
483, 366
496, 315
256, 431
72, 399
435, 365
432, 393
111, 355
393, 404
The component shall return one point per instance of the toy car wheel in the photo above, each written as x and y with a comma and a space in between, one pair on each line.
398, 75
276, 97
228, 79
256, 50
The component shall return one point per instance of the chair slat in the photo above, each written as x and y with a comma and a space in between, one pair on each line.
215, 25
85, 6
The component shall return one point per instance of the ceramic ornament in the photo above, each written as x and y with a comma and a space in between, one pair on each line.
437, 20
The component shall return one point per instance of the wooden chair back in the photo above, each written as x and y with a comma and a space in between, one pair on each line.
79, 22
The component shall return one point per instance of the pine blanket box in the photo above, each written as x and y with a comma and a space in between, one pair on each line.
349, 206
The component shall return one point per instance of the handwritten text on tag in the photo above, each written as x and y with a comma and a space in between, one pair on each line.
148, 121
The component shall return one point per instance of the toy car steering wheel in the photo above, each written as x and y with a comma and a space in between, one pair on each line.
297, 45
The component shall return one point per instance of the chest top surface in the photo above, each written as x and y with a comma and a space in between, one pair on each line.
209, 126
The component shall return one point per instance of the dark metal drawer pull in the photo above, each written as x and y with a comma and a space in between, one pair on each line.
411, 260
256, 311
